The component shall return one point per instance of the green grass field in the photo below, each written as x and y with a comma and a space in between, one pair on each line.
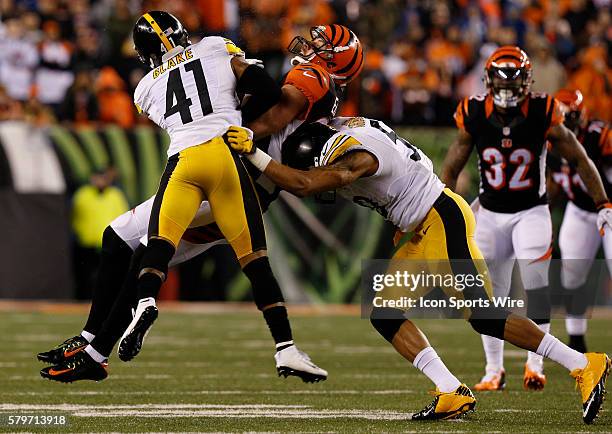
203, 371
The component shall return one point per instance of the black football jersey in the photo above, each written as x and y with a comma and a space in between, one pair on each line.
511, 149
597, 141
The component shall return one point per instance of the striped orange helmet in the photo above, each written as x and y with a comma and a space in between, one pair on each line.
334, 47
508, 76
571, 103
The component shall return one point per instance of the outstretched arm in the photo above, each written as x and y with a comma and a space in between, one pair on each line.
346, 169
568, 146
456, 157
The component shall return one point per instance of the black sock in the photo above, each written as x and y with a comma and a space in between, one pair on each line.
538, 305
577, 301
278, 323
578, 343
156, 256
114, 263
120, 315
149, 285
266, 292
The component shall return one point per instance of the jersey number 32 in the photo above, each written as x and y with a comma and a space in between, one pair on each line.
520, 158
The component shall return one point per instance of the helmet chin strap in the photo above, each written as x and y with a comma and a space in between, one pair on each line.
297, 60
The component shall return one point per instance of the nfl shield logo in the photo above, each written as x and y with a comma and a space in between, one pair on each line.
506, 143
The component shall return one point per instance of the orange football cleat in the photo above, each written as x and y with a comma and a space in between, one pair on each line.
492, 383
533, 380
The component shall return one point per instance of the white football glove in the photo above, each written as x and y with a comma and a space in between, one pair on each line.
604, 218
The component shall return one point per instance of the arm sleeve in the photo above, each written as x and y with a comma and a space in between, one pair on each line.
264, 91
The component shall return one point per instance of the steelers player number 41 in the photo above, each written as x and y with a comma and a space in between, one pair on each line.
176, 92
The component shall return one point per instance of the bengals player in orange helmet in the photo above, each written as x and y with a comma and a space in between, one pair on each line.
577, 253
332, 58
334, 47
510, 126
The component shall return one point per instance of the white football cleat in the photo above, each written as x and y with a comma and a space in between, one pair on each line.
135, 334
291, 361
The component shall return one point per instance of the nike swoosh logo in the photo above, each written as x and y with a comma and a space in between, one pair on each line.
73, 352
54, 372
308, 75
590, 401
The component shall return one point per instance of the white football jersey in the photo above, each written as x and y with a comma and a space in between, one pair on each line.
403, 189
192, 95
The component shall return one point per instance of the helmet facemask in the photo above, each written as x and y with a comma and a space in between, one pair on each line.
508, 84
319, 46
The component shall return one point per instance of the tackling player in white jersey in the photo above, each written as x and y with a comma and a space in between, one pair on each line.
366, 162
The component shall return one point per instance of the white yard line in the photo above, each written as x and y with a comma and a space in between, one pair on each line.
226, 392
209, 410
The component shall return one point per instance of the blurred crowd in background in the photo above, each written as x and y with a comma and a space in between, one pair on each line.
73, 60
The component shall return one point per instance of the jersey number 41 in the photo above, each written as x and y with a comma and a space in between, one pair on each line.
176, 91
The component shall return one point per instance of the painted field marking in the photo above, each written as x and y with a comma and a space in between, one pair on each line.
210, 410
225, 392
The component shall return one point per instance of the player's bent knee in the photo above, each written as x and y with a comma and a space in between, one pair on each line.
489, 321
113, 244
387, 321
156, 257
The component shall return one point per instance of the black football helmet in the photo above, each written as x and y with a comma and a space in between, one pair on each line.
301, 150
155, 34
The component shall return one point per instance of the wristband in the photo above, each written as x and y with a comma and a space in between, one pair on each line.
259, 159
604, 204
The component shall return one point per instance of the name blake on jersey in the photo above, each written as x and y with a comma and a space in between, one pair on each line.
172, 62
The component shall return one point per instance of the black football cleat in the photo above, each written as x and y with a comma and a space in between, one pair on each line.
78, 367
135, 334
63, 351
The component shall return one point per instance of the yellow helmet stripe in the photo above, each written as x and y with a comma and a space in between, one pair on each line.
159, 31
342, 148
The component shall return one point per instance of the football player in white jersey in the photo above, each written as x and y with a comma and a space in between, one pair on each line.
366, 162
191, 92
309, 92
509, 127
